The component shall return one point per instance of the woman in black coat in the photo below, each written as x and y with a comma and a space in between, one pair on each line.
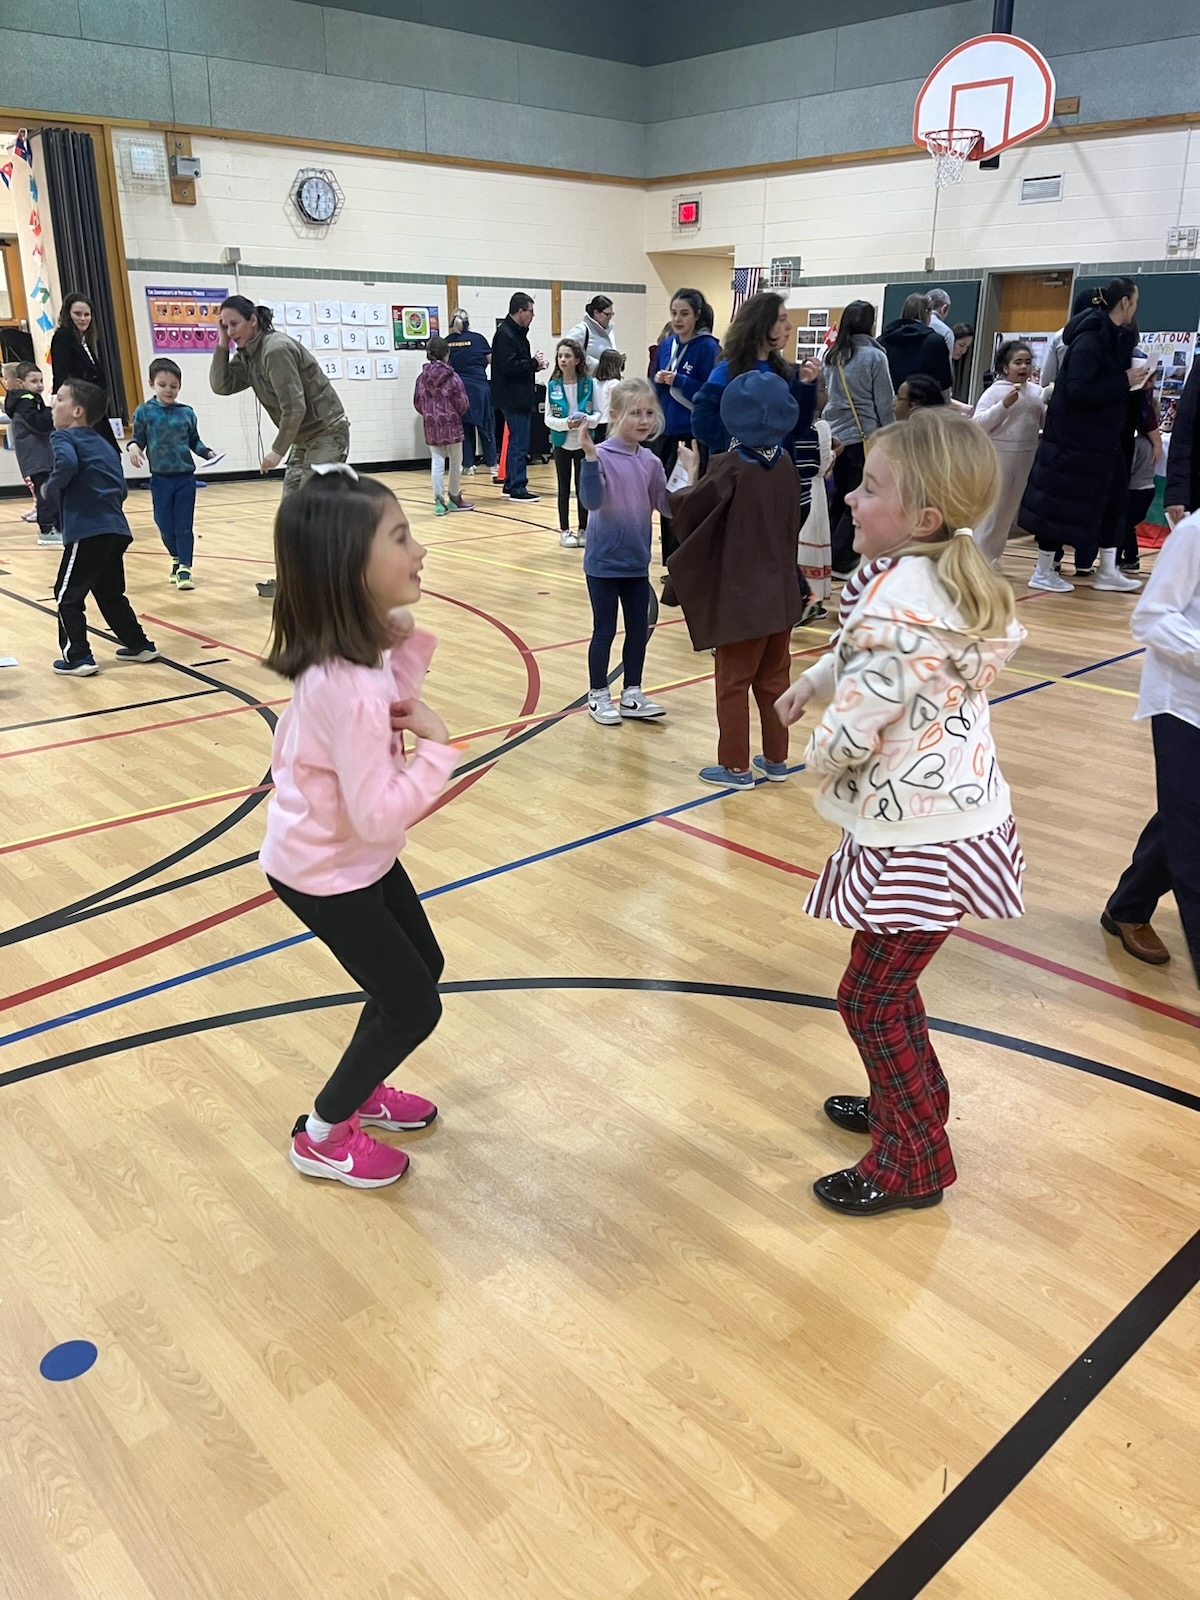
912, 346
73, 354
1077, 489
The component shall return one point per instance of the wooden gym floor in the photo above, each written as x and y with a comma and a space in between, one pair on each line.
602, 1342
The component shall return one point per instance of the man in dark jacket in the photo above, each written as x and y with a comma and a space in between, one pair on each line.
913, 346
513, 390
469, 356
1183, 459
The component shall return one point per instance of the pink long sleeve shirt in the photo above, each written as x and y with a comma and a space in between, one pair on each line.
345, 794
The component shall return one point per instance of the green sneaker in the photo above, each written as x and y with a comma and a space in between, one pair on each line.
183, 578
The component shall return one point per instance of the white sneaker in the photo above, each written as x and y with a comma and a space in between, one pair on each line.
49, 536
602, 710
1115, 580
568, 540
635, 705
1052, 582
469, 471
581, 537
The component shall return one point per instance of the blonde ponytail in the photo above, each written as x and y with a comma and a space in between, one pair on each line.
945, 460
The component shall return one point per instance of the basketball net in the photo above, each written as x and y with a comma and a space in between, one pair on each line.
951, 149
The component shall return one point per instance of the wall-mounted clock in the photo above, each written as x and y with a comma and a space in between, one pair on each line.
317, 196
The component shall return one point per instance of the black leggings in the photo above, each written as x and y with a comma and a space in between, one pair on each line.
382, 937
1137, 503
847, 475
635, 596
563, 468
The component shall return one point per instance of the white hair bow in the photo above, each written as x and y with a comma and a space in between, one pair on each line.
322, 468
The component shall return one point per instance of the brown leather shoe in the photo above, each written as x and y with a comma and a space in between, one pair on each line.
1139, 938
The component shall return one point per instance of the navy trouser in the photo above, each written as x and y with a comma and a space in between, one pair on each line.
516, 477
174, 497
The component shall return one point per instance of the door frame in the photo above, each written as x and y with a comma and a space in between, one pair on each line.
988, 325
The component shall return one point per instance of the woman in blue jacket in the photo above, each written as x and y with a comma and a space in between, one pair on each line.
757, 335
685, 358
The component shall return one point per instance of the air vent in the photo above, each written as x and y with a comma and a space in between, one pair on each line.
1034, 189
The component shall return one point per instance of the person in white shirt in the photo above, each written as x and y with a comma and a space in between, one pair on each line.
1167, 858
939, 321
1011, 413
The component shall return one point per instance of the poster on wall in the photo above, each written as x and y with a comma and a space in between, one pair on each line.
1170, 356
184, 321
414, 326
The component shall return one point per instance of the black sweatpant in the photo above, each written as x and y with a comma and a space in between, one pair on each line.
562, 471
847, 475
382, 937
1167, 856
1137, 503
95, 566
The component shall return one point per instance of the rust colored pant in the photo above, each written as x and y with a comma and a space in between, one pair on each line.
763, 666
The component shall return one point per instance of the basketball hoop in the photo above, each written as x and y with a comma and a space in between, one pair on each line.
951, 149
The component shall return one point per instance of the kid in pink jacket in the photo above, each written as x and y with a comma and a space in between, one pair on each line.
358, 758
441, 399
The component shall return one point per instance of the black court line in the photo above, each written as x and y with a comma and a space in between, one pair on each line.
934, 1543
109, 711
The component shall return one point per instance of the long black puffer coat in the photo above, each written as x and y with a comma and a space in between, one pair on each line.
1076, 490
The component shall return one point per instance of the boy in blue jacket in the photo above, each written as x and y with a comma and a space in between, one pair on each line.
165, 432
90, 484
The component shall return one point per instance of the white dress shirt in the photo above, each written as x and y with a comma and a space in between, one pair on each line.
1167, 621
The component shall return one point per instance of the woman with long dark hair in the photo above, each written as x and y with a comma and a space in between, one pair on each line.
289, 385
684, 359
1077, 488
74, 354
756, 339
860, 402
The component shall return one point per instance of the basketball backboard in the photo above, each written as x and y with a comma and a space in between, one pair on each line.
997, 83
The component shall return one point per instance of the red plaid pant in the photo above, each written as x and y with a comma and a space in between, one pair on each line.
909, 1101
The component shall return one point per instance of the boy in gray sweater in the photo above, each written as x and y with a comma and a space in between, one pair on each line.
30, 426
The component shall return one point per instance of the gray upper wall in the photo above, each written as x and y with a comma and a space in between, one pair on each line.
332, 73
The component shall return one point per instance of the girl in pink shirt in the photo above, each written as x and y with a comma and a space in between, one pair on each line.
346, 789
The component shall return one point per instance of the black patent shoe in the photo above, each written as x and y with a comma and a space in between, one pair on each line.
856, 1196
849, 1111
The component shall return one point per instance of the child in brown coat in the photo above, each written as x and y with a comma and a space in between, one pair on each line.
735, 573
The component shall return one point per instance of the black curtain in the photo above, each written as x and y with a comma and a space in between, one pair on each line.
73, 193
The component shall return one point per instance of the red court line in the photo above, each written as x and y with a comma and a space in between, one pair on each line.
190, 633
1190, 1019
124, 957
152, 727
134, 816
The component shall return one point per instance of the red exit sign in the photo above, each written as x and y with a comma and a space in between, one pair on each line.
687, 213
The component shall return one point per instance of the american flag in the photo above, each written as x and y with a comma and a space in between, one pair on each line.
745, 283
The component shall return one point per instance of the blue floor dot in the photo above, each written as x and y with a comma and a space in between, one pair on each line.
69, 1360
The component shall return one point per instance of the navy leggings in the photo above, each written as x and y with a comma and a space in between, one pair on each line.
635, 596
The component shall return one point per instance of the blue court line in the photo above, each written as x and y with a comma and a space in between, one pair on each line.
464, 883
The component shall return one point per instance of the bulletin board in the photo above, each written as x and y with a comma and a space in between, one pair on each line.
414, 326
184, 321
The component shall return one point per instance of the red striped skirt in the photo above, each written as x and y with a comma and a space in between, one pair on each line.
891, 889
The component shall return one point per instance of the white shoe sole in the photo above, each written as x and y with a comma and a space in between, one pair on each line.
630, 714
1126, 586
316, 1169
773, 777
604, 722
1060, 586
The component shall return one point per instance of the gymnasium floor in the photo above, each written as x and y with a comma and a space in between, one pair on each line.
602, 1341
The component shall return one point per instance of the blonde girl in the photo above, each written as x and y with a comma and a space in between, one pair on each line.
623, 484
908, 769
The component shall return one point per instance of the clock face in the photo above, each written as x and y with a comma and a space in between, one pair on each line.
316, 199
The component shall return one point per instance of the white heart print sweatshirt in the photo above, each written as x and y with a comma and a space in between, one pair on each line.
905, 749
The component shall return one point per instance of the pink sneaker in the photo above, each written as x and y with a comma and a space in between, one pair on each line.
389, 1108
348, 1156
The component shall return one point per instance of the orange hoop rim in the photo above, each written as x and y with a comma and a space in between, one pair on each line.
961, 142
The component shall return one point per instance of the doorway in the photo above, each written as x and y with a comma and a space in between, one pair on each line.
1030, 304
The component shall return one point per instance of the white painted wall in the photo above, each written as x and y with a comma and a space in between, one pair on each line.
398, 217
1120, 197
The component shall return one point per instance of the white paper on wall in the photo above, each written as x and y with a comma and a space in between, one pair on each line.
358, 367
387, 367
278, 311
302, 336
298, 313
353, 313
379, 338
331, 366
354, 338
376, 315
329, 310
327, 338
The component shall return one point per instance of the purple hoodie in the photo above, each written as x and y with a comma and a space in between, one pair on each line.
442, 401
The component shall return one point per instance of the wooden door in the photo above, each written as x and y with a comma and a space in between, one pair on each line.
1034, 302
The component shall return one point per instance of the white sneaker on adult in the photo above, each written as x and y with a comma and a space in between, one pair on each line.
1109, 578
567, 539
1051, 582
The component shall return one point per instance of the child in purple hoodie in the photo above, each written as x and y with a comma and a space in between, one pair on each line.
442, 401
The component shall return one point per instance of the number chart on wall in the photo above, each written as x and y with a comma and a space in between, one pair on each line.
360, 330
184, 321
